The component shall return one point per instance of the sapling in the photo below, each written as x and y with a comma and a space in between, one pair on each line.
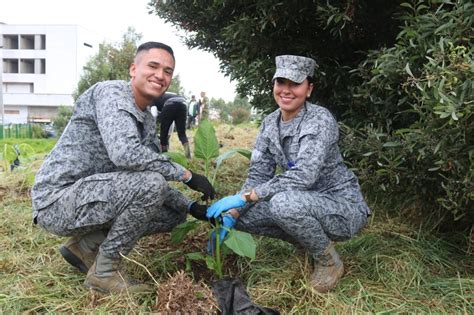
206, 148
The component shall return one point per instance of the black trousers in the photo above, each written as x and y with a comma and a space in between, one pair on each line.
178, 113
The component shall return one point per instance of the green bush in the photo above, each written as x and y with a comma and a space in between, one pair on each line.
38, 131
417, 139
240, 115
62, 119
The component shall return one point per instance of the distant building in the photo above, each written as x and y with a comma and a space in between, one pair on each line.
40, 68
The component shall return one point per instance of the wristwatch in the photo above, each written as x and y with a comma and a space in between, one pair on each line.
247, 195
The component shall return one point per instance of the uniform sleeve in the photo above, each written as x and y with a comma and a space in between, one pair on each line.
314, 146
118, 128
262, 165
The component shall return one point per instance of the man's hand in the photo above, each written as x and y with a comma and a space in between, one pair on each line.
199, 212
201, 183
225, 204
228, 222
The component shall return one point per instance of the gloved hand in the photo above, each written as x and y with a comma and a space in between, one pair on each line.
225, 204
201, 183
199, 212
228, 222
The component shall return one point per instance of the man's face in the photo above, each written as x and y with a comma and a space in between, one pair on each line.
151, 75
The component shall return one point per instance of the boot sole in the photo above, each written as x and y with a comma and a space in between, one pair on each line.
72, 259
94, 288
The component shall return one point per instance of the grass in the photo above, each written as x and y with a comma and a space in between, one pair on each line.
393, 266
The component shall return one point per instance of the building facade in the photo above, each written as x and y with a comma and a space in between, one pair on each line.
40, 68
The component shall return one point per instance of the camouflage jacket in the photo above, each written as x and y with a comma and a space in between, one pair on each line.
107, 133
314, 162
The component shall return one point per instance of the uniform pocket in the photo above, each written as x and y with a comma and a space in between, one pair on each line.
92, 189
92, 204
341, 219
336, 227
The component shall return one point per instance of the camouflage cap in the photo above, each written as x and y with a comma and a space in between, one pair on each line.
294, 68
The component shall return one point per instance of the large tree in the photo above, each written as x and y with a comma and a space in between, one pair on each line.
246, 36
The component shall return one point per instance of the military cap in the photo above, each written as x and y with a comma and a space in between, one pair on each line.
294, 68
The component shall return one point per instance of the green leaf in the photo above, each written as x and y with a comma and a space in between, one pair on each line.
407, 69
26, 150
391, 144
211, 263
180, 231
241, 243
178, 157
206, 146
9, 154
195, 256
227, 155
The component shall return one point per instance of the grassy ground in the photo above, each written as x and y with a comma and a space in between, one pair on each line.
393, 266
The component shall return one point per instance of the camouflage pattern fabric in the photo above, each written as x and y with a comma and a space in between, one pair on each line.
127, 204
315, 198
100, 169
294, 68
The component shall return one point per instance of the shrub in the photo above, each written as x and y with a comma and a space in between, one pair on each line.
62, 119
240, 115
38, 131
418, 136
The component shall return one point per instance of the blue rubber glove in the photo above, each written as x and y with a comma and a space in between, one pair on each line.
225, 204
228, 222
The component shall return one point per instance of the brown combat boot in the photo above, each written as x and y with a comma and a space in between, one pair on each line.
78, 257
105, 276
328, 269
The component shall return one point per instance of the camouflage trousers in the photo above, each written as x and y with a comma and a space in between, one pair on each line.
128, 205
305, 218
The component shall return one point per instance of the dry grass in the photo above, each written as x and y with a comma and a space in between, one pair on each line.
392, 267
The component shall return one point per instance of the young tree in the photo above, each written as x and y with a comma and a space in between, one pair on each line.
112, 62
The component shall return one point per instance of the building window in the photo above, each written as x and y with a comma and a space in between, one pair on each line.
42, 39
42, 66
11, 112
27, 66
10, 41
18, 88
10, 65
27, 41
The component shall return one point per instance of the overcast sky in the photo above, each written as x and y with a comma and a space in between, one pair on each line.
109, 19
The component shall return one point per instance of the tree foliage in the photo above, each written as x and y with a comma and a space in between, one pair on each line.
417, 139
112, 62
247, 35
397, 74
62, 118
236, 112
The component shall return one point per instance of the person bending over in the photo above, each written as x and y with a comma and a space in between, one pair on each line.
172, 108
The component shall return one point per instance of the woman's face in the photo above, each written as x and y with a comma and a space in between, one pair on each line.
291, 96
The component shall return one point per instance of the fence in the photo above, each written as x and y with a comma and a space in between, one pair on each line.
16, 131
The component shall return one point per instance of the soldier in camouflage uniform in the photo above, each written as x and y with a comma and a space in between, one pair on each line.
105, 181
315, 199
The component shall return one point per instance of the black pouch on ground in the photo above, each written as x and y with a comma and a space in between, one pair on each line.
233, 299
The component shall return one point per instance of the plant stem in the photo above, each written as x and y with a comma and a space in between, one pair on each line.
218, 252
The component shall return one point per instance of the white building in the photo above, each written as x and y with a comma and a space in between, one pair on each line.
41, 66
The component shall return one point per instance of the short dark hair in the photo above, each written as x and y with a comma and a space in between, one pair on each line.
150, 45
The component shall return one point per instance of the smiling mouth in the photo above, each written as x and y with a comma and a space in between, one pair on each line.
156, 84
